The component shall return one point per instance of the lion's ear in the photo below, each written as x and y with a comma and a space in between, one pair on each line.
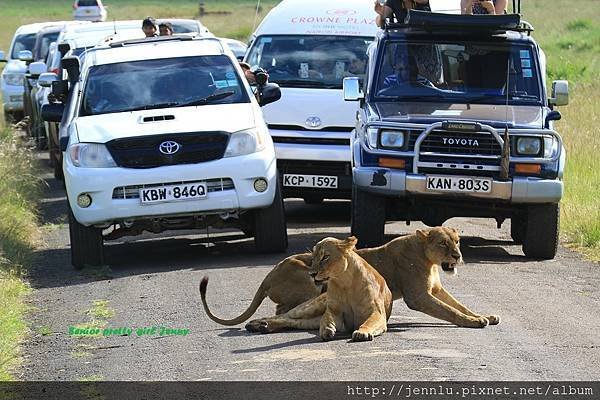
422, 234
349, 243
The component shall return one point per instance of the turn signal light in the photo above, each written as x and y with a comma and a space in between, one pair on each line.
528, 168
392, 163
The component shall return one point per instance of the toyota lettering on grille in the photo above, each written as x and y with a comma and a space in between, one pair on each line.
169, 147
460, 142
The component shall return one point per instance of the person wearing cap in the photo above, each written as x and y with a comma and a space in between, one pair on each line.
149, 27
165, 29
248, 73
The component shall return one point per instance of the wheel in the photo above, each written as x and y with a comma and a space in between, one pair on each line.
313, 200
542, 233
270, 230
368, 218
518, 227
87, 245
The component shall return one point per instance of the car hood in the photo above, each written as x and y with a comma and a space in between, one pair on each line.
316, 109
222, 117
15, 67
495, 115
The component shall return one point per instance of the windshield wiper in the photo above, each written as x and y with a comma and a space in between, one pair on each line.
207, 99
151, 106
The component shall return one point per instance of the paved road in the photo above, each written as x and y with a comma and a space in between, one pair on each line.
549, 331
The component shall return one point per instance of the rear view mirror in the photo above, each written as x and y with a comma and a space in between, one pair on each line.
37, 68
71, 65
60, 89
2, 56
52, 112
352, 90
63, 48
25, 55
560, 93
46, 79
268, 93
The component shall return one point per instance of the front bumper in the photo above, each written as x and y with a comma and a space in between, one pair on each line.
12, 97
100, 184
398, 183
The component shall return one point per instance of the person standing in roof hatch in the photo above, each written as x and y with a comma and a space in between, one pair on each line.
396, 10
165, 29
149, 27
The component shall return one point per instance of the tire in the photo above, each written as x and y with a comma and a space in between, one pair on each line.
270, 229
542, 233
87, 244
518, 228
368, 218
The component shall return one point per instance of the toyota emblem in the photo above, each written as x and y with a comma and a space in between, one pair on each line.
313, 122
169, 147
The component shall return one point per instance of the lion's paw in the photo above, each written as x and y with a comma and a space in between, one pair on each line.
481, 322
327, 334
258, 325
494, 319
358, 336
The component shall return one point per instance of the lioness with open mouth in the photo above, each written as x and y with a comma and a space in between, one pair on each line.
410, 265
357, 297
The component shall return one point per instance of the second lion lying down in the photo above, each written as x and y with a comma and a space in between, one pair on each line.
409, 264
357, 297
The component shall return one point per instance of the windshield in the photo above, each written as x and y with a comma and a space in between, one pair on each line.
44, 44
459, 72
23, 42
172, 82
310, 61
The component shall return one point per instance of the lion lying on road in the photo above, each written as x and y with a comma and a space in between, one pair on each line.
357, 297
409, 264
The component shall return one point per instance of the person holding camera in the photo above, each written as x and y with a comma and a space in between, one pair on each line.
483, 6
396, 10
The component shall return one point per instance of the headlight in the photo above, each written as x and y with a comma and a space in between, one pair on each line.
392, 139
246, 142
550, 146
529, 146
91, 155
13, 79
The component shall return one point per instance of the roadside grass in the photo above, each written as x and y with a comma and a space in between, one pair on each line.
19, 187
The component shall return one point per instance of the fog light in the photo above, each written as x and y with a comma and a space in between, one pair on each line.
260, 185
84, 200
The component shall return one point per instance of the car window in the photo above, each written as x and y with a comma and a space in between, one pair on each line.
310, 61
87, 3
23, 42
161, 83
46, 40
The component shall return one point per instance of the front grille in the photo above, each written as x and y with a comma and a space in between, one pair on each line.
463, 143
143, 151
302, 128
311, 140
331, 168
133, 191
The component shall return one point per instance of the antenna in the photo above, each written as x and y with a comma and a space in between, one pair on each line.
505, 162
256, 16
115, 25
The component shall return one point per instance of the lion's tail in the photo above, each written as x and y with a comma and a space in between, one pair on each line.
260, 295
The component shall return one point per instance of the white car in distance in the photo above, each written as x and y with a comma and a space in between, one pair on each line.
166, 134
89, 10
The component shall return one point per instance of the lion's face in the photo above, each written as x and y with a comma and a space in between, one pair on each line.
329, 258
442, 247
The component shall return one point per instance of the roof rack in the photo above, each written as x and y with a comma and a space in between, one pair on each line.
489, 24
157, 39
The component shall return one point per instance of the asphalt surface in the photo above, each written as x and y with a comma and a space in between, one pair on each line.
549, 330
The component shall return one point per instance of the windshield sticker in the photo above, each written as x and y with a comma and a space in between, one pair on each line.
303, 72
230, 75
526, 63
525, 54
446, 113
225, 83
527, 73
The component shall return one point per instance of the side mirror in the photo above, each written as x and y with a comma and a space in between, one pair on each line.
552, 116
2, 56
71, 65
60, 89
352, 90
63, 48
560, 93
268, 93
64, 143
25, 55
37, 68
46, 79
52, 112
